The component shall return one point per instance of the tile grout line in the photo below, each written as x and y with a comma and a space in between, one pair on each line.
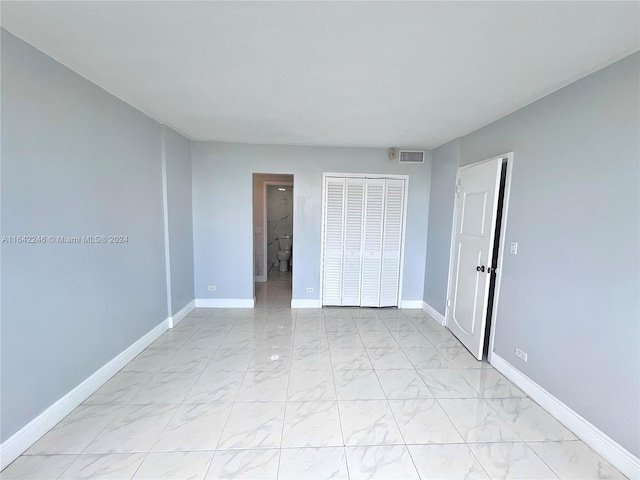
118, 411
286, 397
542, 459
202, 373
376, 375
235, 400
179, 405
389, 324
222, 430
393, 415
335, 390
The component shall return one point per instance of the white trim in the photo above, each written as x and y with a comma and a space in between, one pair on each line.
411, 304
433, 313
612, 451
404, 222
20, 441
451, 249
183, 312
366, 175
323, 213
405, 207
306, 303
501, 250
225, 303
165, 217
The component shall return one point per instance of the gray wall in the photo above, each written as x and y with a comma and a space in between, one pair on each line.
570, 297
443, 177
75, 161
222, 211
180, 217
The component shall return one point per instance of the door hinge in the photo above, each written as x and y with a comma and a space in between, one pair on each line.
448, 302
458, 188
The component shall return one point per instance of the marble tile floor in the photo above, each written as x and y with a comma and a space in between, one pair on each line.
276, 393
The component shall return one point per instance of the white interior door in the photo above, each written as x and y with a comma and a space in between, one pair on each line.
391, 242
333, 241
351, 267
476, 212
372, 243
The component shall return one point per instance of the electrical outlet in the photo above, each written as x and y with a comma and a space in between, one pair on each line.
521, 354
513, 250
309, 290
211, 288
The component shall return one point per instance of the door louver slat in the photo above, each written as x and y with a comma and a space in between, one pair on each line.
373, 218
363, 226
393, 215
333, 242
353, 242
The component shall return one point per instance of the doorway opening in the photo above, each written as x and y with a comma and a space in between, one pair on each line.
477, 249
273, 239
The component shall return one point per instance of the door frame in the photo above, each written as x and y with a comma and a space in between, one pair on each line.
509, 157
404, 224
264, 224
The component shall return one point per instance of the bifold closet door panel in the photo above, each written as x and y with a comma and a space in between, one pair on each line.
391, 242
372, 242
354, 217
333, 241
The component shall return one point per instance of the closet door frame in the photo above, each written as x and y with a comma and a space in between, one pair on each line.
404, 224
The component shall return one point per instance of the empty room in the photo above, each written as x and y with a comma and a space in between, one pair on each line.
320, 240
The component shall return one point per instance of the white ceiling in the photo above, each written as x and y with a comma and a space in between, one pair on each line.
325, 73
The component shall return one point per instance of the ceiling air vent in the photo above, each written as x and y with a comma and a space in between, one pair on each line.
411, 156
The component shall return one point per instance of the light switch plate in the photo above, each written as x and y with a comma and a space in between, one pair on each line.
513, 249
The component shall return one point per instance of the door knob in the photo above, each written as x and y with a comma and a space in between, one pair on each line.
480, 269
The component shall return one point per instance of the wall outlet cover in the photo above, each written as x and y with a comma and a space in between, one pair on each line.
521, 354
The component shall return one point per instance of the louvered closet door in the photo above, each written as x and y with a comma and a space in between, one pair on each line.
372, 242
354, 216
333, 241
391, 242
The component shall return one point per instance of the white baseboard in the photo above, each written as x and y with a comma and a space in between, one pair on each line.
225, 303
260, 278
615, 453
306, 303
20, 441
184, 311
433, 313
411, 304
